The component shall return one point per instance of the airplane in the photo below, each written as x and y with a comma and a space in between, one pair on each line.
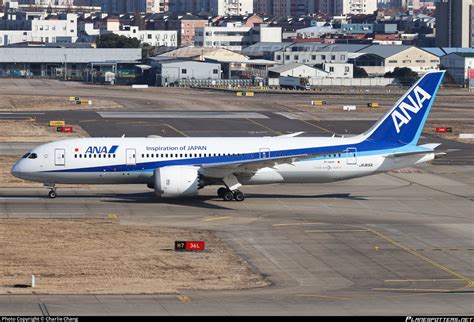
178, 167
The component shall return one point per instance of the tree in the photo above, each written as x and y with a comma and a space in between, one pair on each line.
116, 41
406, 76
360, 72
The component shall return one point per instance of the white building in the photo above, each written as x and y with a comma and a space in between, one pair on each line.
89, 32
335, 70
48, 2
330, 70
347, 7
234, 36
214, 7
44, 30
263, 33
458, 65
157, 6
167, 38
296, 70
312, 54
232, 7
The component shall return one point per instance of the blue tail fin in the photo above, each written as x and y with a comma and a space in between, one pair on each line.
404, 122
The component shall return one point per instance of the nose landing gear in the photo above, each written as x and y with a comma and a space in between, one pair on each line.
52, 190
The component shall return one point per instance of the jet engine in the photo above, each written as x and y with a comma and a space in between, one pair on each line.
177, 181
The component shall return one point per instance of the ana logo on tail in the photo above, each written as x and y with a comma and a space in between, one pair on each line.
400, 115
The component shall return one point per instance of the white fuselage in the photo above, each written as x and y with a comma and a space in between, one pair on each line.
133, 160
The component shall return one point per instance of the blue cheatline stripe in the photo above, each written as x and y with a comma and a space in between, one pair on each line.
363, 148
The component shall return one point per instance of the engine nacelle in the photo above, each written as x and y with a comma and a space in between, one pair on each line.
177, 181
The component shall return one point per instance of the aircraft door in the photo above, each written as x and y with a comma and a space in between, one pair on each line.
264, 153
131, 156
60, 157
351, 156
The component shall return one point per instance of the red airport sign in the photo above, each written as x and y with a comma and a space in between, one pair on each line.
443, 129
67, 129
192, 246
470, 73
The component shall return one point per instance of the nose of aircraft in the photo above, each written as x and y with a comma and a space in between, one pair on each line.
16, 171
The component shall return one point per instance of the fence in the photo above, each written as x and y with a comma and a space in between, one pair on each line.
227, 83
373, 81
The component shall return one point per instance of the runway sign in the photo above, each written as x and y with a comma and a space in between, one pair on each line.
190, 246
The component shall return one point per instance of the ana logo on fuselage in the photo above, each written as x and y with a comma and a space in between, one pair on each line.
401, 116
101, 149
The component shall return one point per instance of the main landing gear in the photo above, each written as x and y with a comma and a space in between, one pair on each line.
52, 190
229, 195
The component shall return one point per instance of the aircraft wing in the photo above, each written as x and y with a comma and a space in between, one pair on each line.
259, 163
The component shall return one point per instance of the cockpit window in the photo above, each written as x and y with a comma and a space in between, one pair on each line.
26, 155
32, 156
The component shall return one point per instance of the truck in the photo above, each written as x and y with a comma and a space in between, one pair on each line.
294, 82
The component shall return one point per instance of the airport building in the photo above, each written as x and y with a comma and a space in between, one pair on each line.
460, 65
64, 63
296, 70
174, 72
380, 59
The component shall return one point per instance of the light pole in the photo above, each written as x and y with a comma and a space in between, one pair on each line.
65, 66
